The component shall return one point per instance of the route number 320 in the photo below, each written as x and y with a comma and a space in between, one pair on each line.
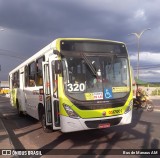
76, 87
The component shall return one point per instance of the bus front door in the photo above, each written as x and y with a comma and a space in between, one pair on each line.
50, 97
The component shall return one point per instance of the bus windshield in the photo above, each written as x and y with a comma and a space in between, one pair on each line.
96, 77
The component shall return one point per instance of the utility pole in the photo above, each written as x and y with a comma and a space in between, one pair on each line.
1, 29
138, 36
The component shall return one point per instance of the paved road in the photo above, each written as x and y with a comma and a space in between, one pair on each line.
26, 133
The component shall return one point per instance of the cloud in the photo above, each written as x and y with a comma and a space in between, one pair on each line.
30, 25
140, 14
146, 58
149, 65
149, 75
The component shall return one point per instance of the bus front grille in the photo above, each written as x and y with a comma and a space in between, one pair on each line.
96, 123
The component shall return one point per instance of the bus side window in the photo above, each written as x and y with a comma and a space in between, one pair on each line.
39, 72
32, 74
26, 76
15, 81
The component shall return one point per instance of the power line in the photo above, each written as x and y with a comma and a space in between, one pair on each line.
148, 67
11, 55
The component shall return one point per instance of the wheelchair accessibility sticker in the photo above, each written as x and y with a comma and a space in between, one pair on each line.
108, 93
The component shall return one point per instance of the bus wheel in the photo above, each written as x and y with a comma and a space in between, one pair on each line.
20, 113
46, 129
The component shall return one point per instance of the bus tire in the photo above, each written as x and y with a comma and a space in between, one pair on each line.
40, 111
20, 113
46, 129
143, 105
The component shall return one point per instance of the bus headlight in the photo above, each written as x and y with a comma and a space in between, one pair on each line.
70, 112
129, 108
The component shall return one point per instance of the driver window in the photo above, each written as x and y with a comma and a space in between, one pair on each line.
76, 71
55, 80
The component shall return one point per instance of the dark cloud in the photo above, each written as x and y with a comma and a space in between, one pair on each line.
32, 24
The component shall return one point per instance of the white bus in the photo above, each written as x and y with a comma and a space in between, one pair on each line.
75, 84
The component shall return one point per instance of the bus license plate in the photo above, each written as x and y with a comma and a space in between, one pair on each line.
104, 125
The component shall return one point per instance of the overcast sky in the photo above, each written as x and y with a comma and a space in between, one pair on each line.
29, 25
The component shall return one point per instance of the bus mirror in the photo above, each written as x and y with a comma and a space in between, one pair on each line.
55, 52
58, 67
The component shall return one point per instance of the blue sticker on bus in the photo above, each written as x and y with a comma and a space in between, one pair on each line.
108, 93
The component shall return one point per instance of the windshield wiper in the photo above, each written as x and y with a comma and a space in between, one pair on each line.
89, 64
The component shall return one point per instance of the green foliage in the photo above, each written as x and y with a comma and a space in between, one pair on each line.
154, 84
156, 92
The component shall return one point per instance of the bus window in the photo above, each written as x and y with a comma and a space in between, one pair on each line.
15, 81
39, 72
26, 76
32, 74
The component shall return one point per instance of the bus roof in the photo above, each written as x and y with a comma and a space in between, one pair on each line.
52, 46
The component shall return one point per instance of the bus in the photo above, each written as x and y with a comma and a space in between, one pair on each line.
75, 84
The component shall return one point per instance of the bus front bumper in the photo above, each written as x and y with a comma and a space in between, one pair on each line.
70, 125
